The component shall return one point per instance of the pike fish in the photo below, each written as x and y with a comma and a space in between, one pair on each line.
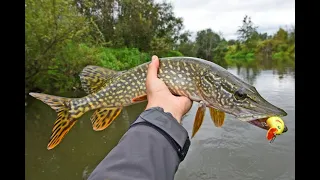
205, 82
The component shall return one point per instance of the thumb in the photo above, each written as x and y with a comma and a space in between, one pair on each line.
153, 68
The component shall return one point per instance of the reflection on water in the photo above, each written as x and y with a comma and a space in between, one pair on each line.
238, 150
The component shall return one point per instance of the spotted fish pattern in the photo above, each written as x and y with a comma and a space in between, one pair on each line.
110, 91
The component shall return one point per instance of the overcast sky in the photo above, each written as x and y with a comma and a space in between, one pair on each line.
227, 15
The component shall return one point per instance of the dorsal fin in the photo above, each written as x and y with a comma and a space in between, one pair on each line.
93, 78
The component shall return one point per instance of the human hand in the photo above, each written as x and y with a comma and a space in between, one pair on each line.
160, 96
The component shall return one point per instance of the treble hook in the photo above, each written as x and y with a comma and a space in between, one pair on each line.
273, 138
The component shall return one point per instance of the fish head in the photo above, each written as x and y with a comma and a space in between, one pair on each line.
226, 92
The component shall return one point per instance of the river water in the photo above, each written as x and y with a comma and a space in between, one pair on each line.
236, 151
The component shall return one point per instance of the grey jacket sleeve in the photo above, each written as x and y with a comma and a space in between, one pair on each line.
144, 153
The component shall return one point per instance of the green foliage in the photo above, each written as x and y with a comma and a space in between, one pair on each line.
278, 47
64, 36
173, 54
122, 59
291, 49
281, 35
134, 23
63, 75
49, 27
207, 41
281, 56
247, 31
188, 48
159, 46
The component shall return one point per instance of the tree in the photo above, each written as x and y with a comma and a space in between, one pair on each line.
207, 41
188, 49
263, 36
184, 37
247, 30
168, 26
102, 12
231, 42
133, 23
49, 26
291, 37
281, 35
219, 53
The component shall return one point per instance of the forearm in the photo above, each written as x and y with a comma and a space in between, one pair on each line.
144, 152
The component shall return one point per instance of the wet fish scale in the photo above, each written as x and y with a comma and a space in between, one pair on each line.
121, 90
200, 80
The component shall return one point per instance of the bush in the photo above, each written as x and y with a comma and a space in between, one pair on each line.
174, 54
68, 63
122, 59
64, 75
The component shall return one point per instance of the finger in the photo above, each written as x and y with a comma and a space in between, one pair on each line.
184, 100
153, 68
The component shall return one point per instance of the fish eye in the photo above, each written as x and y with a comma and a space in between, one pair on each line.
240, 95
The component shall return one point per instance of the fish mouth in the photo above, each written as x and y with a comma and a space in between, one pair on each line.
262, 123
258, 116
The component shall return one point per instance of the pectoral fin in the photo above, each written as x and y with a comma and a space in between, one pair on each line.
139, 99
199, 118
103, 117
217, 116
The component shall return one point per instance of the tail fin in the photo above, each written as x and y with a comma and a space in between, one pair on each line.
63, 123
